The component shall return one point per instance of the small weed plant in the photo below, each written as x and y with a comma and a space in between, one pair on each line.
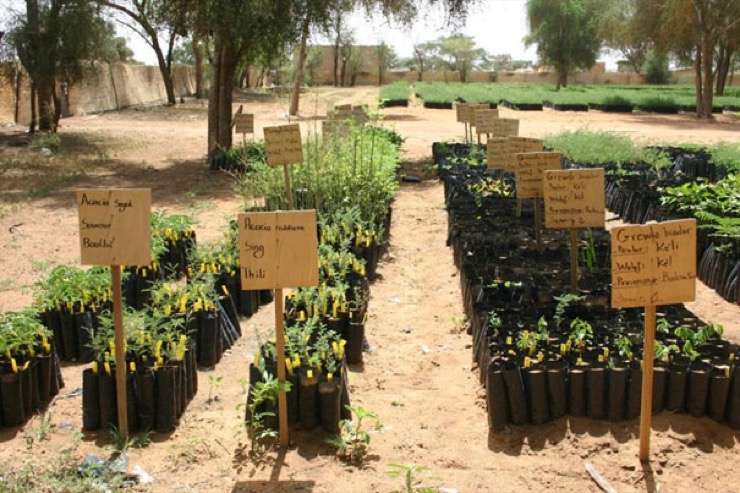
353, 439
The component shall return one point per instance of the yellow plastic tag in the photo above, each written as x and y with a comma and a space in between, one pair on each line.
132, 366
330, 377
94, 367
309, 375
106, 365
509, 340
527, 362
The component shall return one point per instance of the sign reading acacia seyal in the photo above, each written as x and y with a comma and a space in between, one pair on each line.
654, 264
574, 198
530, 169
283, 145
114, 226
278, 249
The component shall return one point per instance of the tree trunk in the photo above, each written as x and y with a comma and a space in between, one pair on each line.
336, 65
708, 86
213, 95
302, 54
562, 78
343, 73
198, 56
698, 82
44, 94
723, 66
164, 69
33, 122
57, 106
421, 69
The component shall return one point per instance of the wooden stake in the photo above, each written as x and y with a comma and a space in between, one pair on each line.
646, 410
280, 337
120, 342
288, 186
574, 260
537, 228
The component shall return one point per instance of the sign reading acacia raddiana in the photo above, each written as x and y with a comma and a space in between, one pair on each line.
574, 198
278, 249
283, 145
654, 264
114, 226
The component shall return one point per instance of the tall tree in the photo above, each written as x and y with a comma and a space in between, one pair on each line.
386, 57
52, 40
460, 53
159, 23
627, 29
566, 33
701, 24
423, 55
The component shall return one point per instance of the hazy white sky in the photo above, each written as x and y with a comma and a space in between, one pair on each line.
498, 26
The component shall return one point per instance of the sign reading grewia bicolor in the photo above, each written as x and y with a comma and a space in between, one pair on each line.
654, 264
574, 198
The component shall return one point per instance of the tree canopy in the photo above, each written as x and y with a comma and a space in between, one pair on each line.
566, 33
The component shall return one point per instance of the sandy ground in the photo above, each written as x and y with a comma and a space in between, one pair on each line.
430, 403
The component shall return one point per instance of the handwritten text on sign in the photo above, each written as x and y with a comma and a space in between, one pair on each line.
505, 127
519, 145
244, 123
114, 226
278, 249
497, 153
654, 264
574, 198
283, 145
484, 120
530, 169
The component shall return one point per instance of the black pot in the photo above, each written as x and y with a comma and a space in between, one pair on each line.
698, 388
145, 399
496, 397
355, 338
677, 380
329, 404
308, 406
167, 395
617, 380
577, 391
557, 387
107, 400
596, 391
12, 399
90, 400
518, 409
536, 384
733, 399
719, 390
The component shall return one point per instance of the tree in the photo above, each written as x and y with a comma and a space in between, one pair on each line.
698, 26
423, 56
386, 57
627, 29
151, 19
51, 40
460, 53
566, 33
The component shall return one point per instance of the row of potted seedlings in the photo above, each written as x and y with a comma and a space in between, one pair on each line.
544, 352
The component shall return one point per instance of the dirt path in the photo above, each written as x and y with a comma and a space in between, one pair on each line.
418, 378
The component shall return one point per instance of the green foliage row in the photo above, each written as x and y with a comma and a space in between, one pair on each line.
398, 91
525, 93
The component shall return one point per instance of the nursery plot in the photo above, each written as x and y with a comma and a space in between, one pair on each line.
411, 307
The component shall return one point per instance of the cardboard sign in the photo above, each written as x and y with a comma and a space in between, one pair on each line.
497, 153
244, 123
337, 127
359, 115
115, 226
654, 264
530, 169
519, 145
283, 145
461, 112
472, 109
574, 198
505, 127
278, 249
484, 120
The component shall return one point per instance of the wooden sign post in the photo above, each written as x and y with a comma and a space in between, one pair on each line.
497, 153
474, 108
461, 112
574, 199
279, 250
530, 169
244, 124
652, 265
484, 121
115, 230
518, 145
284, 147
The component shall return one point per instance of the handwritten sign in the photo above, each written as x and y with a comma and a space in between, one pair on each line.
278, 249
359, 115
530, 169
574, 198
114, 226
471, 110
336, 127
484, 120
654, 264
519, 145
497, 153
505, 127
283, 145
244, 123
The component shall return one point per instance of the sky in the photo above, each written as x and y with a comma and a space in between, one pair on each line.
498, 26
